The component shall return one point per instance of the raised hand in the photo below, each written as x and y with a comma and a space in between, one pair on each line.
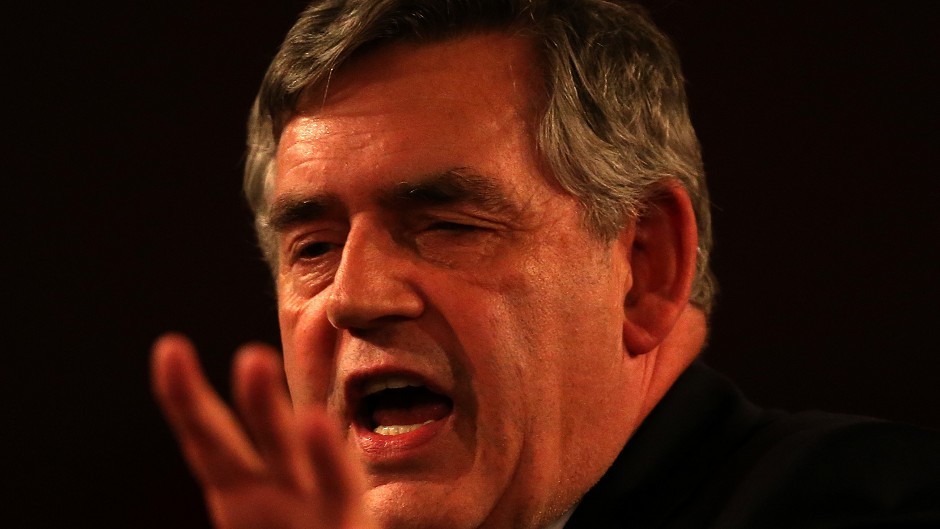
276, 468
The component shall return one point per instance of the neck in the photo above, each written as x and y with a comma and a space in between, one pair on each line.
671, 357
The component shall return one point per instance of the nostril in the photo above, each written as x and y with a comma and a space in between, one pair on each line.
370, 331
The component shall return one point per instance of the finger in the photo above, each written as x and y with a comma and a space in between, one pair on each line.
213, 442
339, 480
266, 410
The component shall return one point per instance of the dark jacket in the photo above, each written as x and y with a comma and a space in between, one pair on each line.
706, 457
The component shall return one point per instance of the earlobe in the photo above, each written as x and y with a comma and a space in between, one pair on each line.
661, 249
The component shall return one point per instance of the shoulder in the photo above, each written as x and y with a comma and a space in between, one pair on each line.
817, 469
706, 457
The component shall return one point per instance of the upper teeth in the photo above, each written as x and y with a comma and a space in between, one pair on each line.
398, 429
393, 382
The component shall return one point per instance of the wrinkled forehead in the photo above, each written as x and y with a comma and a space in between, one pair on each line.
405, 111
470, 89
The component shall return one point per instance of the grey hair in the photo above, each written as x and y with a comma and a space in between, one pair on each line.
614, 128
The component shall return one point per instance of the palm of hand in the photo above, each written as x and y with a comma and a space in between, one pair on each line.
275, 468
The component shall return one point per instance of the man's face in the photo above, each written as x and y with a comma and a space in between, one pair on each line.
440, 295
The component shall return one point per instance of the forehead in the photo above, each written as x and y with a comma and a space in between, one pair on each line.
492, 68
417, 109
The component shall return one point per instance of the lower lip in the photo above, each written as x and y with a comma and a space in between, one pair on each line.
388, 448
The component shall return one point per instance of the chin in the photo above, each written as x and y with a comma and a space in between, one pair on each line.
423, 505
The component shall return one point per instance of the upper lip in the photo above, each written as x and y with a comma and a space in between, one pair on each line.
374, 385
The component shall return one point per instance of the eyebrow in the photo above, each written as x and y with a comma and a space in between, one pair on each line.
446, 188
290, 211
450, 187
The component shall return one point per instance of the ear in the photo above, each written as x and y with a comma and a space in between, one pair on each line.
662, 249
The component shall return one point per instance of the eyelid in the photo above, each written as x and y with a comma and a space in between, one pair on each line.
452, 225
458, 218
296, 245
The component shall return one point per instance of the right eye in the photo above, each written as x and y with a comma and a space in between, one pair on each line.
312, 250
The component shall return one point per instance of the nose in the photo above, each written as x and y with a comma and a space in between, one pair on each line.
373, 285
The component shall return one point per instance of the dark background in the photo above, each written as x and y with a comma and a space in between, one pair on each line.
124, 144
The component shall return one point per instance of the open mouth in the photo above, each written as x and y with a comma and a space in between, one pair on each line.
397, 405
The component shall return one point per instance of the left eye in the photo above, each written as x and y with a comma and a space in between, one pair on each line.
450, 226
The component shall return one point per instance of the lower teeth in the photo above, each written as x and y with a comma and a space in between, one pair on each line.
399, 429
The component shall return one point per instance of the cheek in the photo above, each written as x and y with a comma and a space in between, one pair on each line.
499, 329
308, 340
568, 320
